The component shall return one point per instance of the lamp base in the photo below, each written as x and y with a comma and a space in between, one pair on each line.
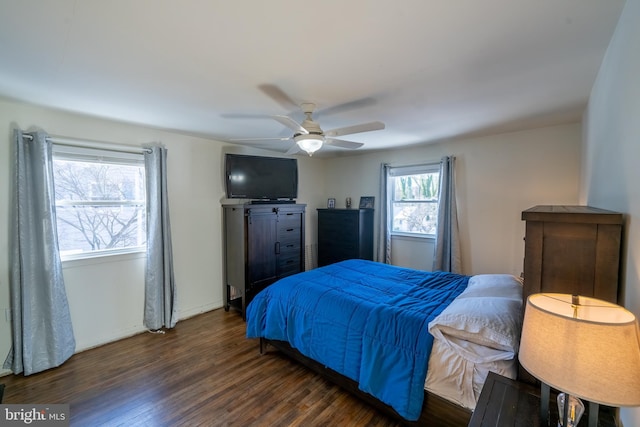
574, 410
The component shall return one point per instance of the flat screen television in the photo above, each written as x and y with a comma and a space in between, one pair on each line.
261, 178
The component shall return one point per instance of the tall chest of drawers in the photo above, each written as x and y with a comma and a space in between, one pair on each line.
263, 243
344, 234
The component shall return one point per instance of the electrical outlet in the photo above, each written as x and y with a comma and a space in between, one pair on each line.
7, 315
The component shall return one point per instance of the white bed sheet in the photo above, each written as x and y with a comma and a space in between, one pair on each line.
479, 332
460, 380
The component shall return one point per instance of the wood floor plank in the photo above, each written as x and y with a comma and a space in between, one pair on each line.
204, 372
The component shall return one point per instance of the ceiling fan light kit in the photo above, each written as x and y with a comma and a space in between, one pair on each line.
309, 142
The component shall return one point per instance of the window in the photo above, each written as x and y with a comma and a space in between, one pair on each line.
414, 199
100, 202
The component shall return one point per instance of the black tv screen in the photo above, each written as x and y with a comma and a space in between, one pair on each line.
257, 177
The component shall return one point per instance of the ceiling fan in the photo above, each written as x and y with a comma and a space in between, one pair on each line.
310, 137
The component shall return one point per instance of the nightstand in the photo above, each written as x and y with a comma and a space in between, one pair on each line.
507, 403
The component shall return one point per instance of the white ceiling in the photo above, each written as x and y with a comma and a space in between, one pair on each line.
428, 69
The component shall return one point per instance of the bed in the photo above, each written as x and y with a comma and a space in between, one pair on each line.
415, 344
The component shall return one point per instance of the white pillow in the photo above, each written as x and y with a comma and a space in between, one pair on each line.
493, 285
488, 313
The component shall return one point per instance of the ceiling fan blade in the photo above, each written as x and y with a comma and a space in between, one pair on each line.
290, 123
294, 149
259, 139
365, 127
351, 145
278, 95
347, 106
245, 116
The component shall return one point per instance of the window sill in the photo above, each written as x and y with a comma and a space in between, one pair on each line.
103, 258
412, 236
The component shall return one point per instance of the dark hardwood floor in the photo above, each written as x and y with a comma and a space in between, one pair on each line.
204, 372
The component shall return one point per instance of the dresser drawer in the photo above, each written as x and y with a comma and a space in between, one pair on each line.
288, 235
337, 222
289, 263
291, 247
289, 220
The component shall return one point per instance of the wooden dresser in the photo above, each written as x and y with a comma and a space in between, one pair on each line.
574, 250
344, 234
262, 243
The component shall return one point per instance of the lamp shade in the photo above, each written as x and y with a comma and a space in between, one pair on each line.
586, 347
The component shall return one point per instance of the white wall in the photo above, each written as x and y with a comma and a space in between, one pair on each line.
106, 295
498, 177
611, 170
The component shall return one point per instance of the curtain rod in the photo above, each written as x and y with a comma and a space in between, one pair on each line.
72, 142
426, 163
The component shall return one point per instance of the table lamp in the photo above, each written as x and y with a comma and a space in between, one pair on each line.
584, 347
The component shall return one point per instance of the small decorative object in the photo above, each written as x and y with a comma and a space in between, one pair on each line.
366, 202
331, 203
348, 203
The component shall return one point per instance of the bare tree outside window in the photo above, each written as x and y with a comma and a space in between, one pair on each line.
100, 206
415, 203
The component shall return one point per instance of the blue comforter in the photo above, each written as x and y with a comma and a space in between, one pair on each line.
365, 320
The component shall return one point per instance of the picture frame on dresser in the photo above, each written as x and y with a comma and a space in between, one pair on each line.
366, 202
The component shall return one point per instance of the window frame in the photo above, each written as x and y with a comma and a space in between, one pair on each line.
106, 156
400, 171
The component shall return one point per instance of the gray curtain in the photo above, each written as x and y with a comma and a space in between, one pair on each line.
383, 253
447, 249
160, 308
40, 318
